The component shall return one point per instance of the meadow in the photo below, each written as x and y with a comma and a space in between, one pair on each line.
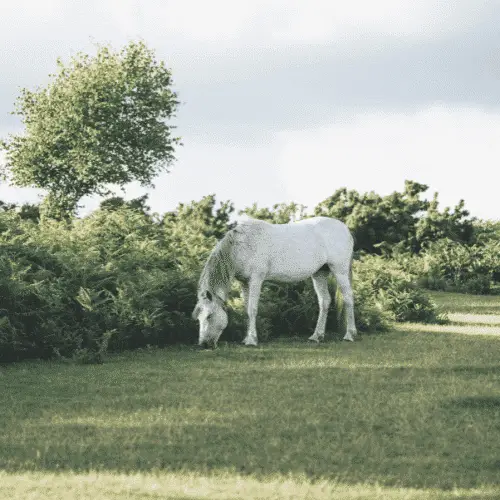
404, 414
410, 412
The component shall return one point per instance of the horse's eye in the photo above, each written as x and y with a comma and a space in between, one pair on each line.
209, 316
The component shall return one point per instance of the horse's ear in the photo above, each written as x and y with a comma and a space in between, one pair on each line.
209, 296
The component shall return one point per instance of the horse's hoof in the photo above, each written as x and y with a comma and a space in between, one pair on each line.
250, 343
314, 339
348, 339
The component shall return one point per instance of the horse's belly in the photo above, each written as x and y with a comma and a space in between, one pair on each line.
290, 267
289, 277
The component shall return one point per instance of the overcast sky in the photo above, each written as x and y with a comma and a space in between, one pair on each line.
289, 100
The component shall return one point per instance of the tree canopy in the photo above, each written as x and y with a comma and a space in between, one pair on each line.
101, 120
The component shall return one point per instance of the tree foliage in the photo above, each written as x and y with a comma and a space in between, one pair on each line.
435, 225
101, 120
124, 278
280, 213
401, 220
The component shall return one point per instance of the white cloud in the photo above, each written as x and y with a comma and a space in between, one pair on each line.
254, 22
316, 21
243, 174
221, 40
455, 151
228, 40
323, 20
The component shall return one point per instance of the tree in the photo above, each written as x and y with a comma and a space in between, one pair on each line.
281, 213
26, 211
377, 221
116, 202
192, 231
398, 221
101, 120
436, 225
202, 216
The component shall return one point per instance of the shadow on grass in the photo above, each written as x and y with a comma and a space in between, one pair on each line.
204, 448
183, 411
483, 496
476, 402
467, 370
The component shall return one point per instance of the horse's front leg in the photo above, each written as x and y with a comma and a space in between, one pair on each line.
251, 294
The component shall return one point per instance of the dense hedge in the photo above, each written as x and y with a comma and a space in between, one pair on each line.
451, 266
121, 279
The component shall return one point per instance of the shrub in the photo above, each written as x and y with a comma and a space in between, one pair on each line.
122, 279
451, 266
291, 309
65, 287
396, 291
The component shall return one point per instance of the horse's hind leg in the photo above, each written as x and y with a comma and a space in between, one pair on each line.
320, 282
344, 283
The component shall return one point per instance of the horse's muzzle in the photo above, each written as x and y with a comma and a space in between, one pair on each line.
205, 344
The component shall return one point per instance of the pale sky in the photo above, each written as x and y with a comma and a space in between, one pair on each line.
289, 100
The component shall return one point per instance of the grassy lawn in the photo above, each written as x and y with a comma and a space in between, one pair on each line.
471, 304
409, 414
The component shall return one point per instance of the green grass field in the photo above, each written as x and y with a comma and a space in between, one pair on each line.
408, 414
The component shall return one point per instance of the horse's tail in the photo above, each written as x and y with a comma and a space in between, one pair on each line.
352, 257
350, 271
339, 299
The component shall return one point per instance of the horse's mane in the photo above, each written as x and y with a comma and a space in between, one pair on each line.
219, 270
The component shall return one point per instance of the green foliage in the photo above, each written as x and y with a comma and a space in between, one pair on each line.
65, 287
203, 216
486, 230
124, 278
448, 265
376, 220
281, 213
100, 120
120, 278
116, 202
193, 230
435, 225
371, 317
395, 291
27, 211
398, 221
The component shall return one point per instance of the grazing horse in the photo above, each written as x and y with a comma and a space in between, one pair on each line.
255, 251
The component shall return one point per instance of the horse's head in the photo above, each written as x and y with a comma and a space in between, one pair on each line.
209, 311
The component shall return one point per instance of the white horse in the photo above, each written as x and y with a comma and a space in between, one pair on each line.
255, 251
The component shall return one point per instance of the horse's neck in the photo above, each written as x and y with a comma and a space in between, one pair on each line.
221, 291
218, 273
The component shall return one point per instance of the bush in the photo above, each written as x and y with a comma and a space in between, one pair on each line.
450, 266
382, 292
371, 317
106, 281
285, 309
395, 290
123, 279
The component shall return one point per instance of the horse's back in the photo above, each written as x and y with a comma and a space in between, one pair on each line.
328, 227
324, 222
324, 228
294, 250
